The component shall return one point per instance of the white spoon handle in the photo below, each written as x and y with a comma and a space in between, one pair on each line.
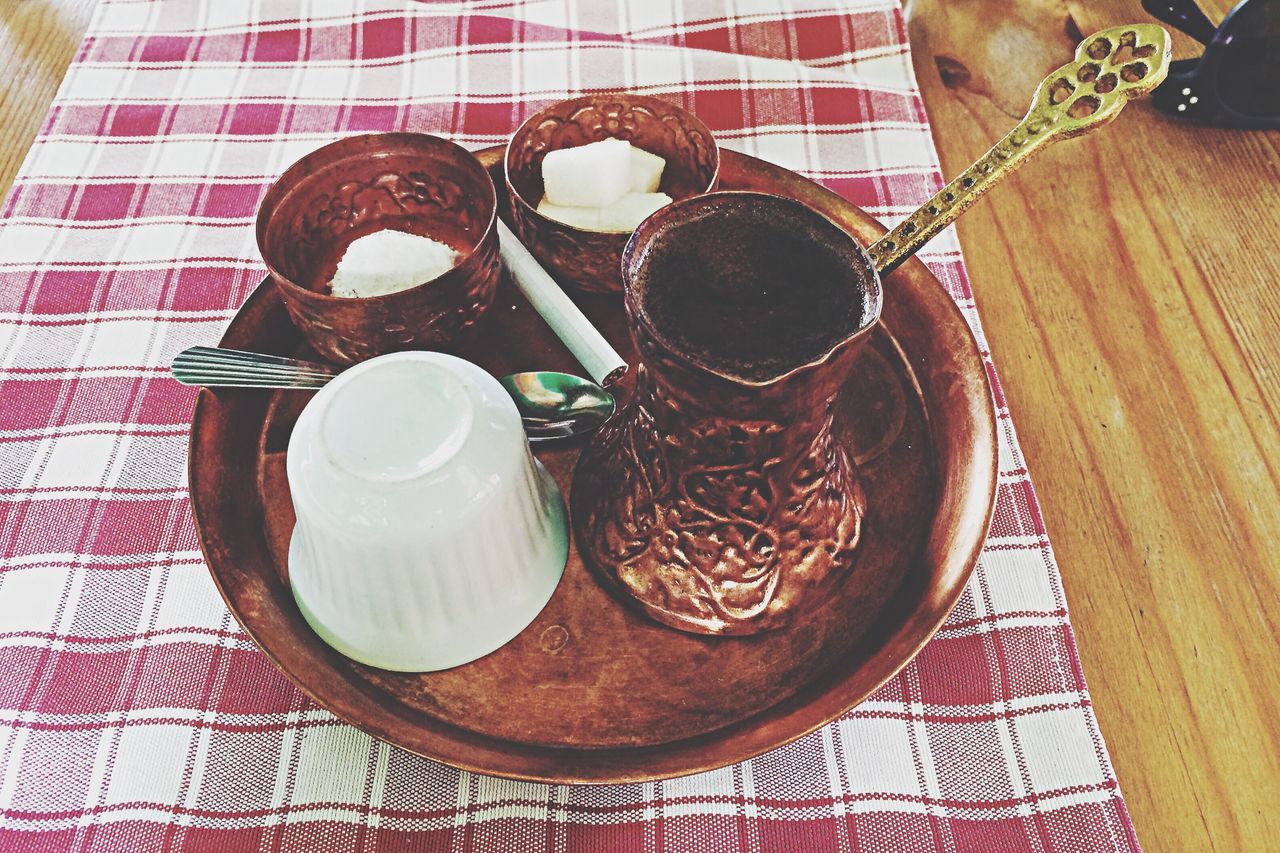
597, 356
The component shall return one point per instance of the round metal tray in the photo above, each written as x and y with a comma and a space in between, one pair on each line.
592, 692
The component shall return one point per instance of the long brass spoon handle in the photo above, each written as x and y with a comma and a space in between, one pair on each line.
1110, 67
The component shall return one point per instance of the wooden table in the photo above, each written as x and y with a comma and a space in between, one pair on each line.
1130, 287
1129, 284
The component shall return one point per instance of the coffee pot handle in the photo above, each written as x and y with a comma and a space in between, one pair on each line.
1110, 68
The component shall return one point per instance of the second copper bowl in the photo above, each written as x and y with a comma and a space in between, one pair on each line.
592, 260
355, 186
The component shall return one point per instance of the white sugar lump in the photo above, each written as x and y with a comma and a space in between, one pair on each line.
578, 217
388, 261
592, 175
630, 210
646, 170
623, 215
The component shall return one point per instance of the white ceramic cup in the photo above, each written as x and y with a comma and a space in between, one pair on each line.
427, 534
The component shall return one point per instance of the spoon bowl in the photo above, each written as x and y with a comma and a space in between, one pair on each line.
558, 405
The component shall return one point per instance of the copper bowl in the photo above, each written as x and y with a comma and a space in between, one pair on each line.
592, 260
355, 186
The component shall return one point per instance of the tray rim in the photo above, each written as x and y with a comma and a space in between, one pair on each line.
458, 747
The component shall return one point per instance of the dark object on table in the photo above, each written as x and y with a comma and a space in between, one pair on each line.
1236, 83
406, 181
592, 260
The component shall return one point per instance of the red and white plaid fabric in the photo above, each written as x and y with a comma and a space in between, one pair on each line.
135, 715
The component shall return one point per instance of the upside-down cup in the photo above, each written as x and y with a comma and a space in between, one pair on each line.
403, 181
427, 535
583, 258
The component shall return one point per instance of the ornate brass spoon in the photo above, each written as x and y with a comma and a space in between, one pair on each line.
1110, 67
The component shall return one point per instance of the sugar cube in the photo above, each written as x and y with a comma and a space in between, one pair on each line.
630, 210
592, 175
578, 217
646, 170
388, 261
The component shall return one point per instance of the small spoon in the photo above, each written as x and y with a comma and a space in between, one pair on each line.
552, 405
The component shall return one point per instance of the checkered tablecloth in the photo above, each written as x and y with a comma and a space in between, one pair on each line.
135, 715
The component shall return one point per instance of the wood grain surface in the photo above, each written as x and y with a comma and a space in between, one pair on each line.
1130, 287
38, 39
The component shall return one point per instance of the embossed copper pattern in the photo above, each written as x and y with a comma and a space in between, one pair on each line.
721, 503
412, 182
591, 260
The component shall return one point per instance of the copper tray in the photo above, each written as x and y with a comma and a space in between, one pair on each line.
592, 692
